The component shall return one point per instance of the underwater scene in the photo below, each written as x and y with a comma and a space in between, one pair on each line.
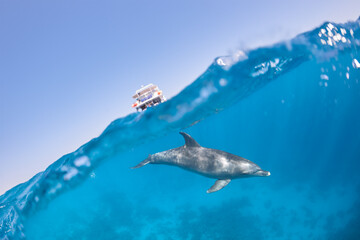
292, 108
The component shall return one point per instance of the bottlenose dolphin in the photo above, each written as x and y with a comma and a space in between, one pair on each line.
208, 162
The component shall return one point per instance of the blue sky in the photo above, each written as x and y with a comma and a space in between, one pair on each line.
68, 68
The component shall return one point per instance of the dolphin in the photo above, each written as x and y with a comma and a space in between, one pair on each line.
208, 162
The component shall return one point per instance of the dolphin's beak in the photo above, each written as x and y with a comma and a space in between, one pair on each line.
262, 173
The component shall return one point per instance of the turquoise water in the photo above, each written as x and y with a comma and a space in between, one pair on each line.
293, 108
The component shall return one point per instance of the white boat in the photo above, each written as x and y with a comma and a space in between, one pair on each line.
148, 96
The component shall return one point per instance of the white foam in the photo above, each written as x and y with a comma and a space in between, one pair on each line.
227, 61
220, 62
324, 77
56, 188
223, 82
71, 172
355, 63
351, 32
330, 26
82, 161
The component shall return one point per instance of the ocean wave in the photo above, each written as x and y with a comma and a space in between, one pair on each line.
227, 81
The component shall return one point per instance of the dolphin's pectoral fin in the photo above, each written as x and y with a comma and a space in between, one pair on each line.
219, 184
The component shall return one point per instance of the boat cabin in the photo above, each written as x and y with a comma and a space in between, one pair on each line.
148, 96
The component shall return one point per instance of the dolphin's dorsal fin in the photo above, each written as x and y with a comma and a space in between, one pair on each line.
189, 141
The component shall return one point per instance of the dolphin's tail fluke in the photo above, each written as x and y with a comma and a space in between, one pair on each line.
143, 163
